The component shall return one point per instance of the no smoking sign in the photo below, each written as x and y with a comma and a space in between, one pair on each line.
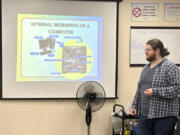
144, 11
137, 12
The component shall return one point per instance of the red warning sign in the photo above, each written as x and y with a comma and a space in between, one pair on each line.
136, 12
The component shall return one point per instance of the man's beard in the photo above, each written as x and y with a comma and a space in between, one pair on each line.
151, 58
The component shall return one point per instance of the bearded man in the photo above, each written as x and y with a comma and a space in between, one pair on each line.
156, 98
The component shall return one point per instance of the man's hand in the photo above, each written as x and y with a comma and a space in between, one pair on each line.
148, 92
133, 112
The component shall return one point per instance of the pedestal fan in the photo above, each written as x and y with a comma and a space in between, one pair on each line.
90, 97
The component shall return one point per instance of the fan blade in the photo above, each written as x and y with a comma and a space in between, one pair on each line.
91, 92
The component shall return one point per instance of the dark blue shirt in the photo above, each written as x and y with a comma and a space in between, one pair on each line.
146, 83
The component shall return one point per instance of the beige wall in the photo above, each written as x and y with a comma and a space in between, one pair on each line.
57, 117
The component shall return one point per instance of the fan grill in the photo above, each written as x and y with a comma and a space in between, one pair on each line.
91, 87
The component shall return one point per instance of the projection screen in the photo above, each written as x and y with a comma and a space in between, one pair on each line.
50, 47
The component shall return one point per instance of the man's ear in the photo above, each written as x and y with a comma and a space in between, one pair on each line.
158, 51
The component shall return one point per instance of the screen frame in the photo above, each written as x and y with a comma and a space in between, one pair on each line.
116, 60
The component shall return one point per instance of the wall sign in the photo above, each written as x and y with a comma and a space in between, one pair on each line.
144, 11
172, 11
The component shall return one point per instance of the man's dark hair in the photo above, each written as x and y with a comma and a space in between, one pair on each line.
155, 44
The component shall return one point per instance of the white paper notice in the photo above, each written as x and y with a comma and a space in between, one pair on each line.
172, 11
144, 11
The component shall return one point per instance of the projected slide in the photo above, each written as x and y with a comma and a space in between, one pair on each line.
58, 48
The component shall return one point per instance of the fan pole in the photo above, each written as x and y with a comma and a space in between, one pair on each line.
88, 114
88, 130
